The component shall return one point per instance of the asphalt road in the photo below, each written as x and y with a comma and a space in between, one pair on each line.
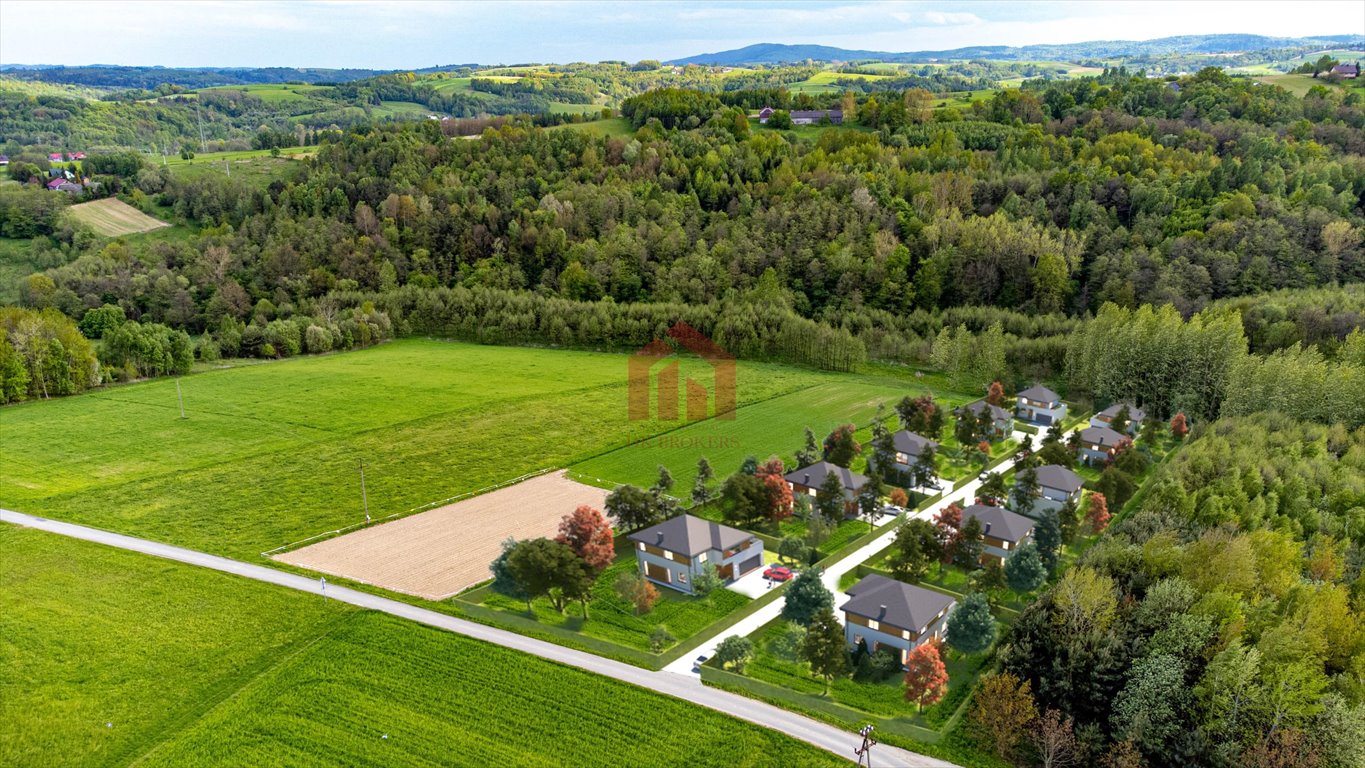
686, 687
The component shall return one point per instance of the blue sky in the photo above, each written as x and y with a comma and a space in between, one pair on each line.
398, 34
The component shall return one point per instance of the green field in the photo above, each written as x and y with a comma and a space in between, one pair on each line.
773, 427
1299, 84
16, 263
256, 165
269, 453
112, 217
274, 92
114, 658
612, 126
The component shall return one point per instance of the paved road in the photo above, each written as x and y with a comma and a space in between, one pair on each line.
750, 624
824, 736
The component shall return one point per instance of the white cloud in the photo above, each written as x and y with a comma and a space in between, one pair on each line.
950, 19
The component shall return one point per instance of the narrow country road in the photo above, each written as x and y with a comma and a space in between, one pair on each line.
834, 740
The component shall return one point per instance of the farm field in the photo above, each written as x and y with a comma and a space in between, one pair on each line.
612, 126
773, 427
1299, 84
448, 549
273, 92
430, 419
112, 217
114, 658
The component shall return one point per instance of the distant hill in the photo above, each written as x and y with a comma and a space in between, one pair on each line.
777, 53
109, 76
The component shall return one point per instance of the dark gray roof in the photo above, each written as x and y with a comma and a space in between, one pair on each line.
911, 444
998, 413
1059, 477
999, 522
1041, 394
1101, 436
815, 474
904, 605
816, 114
691, 536
1135, 414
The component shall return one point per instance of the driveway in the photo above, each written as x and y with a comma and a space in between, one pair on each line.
752, 583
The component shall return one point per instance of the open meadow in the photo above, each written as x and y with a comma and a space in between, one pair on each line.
112, 217
269, 454
115, 658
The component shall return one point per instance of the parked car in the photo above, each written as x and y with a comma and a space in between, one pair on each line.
892, 509
696, 665
777, 573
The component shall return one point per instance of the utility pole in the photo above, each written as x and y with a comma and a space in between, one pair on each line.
865, 751
364, 497
180, 397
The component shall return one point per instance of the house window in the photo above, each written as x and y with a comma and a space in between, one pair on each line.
873, 624
905, 633
702, 557
682, 577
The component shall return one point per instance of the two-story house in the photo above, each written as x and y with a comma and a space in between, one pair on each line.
807, 480
1105, 418
1040, 405
1099, 444
1056, 486
1003, 531
908, 446
1001, 421
674, 551
885, 613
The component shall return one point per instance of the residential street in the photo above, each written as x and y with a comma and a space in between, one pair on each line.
834, 740
750, 624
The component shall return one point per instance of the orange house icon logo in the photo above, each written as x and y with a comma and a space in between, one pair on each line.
666, 378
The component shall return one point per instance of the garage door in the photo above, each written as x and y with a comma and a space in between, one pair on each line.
750, 564
1043, 418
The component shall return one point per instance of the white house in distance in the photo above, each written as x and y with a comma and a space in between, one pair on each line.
886, 613
1056, 486
1000, 418
1040, 405
805, 117
1105, 418
674, 551
807, 480
1003, 531
909, 446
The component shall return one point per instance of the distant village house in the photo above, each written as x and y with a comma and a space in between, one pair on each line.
674, 551
885, 613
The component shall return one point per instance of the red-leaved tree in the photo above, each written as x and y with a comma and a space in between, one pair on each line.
1179, 425
899, 497
779, 494
1097, 513
948, 521
926, 678
589, 534
996, 394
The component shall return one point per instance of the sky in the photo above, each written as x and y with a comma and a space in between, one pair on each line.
406, 34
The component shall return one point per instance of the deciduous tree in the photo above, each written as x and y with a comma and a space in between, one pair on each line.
840, 446
806, 598
589, 534
824, 647
1097, 513
734, 652
926, 677
1003, 708
971, 627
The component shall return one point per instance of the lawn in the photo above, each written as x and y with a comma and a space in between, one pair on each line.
612, 619
111, 217
112, 658
268, 454
254, 165
884, 699
611, 126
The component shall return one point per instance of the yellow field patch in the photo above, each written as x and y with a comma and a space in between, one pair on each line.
112, 217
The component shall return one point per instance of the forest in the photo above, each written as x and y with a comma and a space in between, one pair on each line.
1220, 624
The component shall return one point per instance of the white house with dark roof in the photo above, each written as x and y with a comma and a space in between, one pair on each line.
807, 480
1098, 444
1039, 405
1002, 530
674, 551
1105, 418
1001, 420
885, 613
1056, 486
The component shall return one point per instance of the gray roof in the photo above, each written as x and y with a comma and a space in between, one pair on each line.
999, 522
1101, 436
691, 536
815, 474
1135, 414
998, 413
1041, 394
911, 444
904, 605
816, 114
1058, 477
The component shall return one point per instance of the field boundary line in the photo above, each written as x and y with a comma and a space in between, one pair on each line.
421, 508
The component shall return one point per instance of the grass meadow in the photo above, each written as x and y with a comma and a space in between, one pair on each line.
112, 217
115, 658
269, 453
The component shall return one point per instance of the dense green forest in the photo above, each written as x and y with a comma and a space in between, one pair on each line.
1219, 624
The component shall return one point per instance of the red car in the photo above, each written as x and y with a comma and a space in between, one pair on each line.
777, 573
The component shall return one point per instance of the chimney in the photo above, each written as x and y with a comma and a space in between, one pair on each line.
659, 537
988, 528
807, 481
881, 612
